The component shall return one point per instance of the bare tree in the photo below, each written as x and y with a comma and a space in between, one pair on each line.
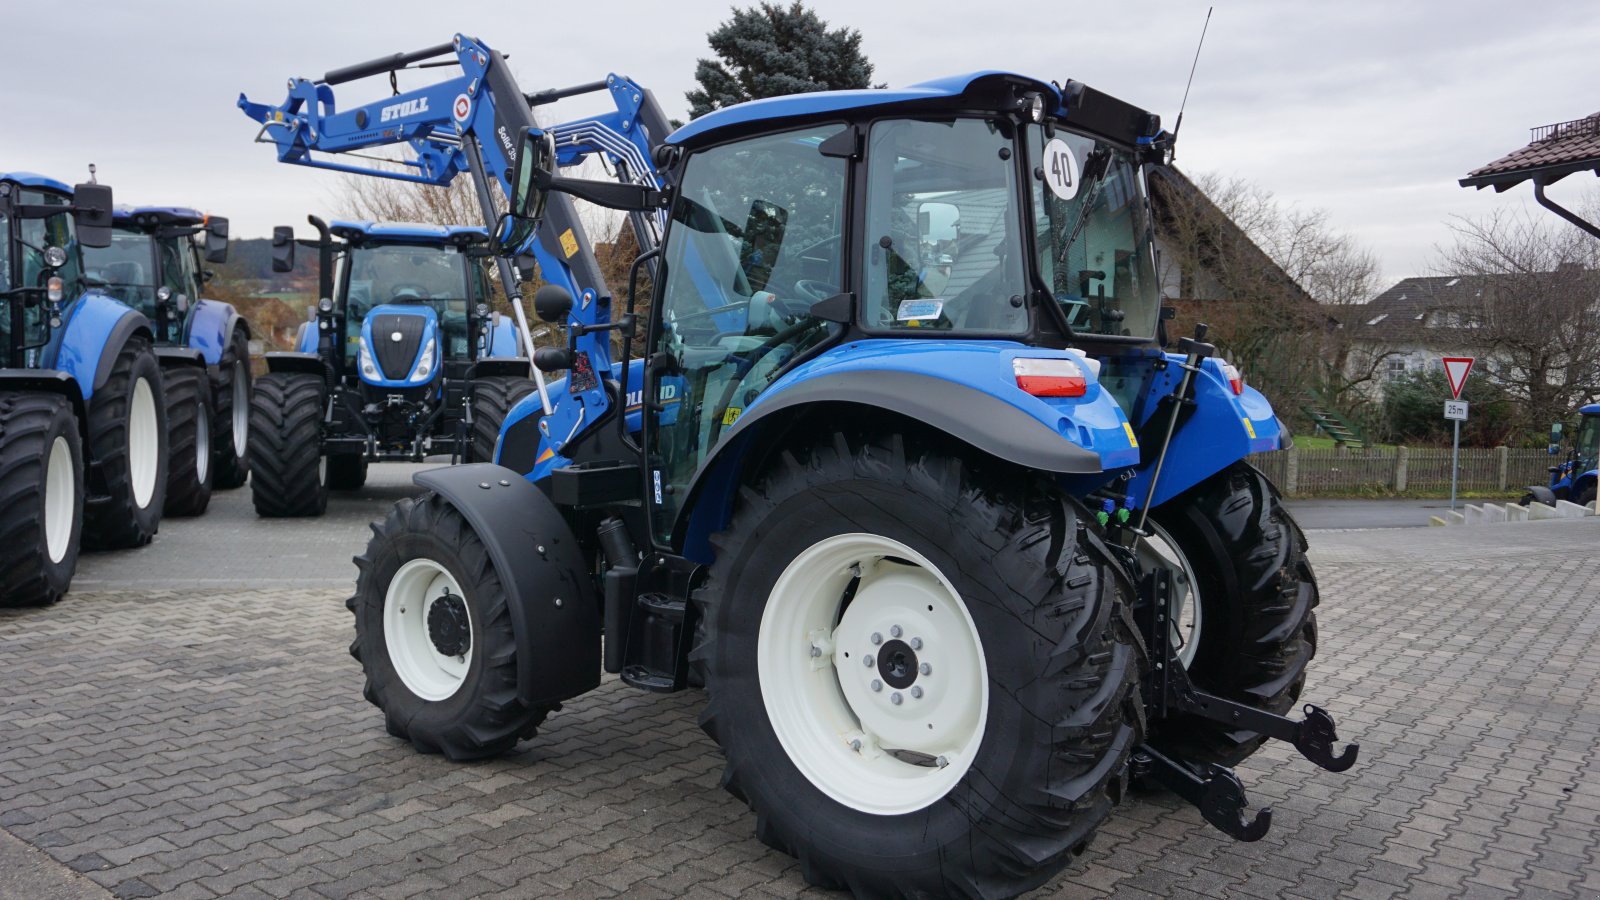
1535, 310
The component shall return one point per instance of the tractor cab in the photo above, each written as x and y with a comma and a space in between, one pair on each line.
155, 264
41, 264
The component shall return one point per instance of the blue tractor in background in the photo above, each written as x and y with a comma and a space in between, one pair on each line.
1575, 478
156, 266
83, 425
402, 358
903, 476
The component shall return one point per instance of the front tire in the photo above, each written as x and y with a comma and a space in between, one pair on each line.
286, 446
189, 464
1256, 594
128, 445
41, 498
492, 398
434, 637
347, 472
232, 390
981, 774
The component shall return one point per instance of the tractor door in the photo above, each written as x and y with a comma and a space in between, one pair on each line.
756, 238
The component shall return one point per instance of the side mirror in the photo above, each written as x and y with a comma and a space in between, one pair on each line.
283, 249
91, 213
536, 157
552, 302
216, 240
207, 276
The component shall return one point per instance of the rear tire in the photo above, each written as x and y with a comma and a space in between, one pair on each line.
464, 706
347, 472
128, 446
286, 446
41, 498
189, 464
1257, 594
1057, 662
492, 398
231, 421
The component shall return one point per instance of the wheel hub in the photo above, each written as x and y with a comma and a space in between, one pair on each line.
448, 627
897, 663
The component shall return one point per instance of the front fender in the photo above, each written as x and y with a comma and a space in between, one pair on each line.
549, 593
92, 337
210, 328
503, 339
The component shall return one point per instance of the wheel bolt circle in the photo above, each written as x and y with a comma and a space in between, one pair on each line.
916, 643
925, 669
895, 630
867, 660
877, 685
896, 699
916, 692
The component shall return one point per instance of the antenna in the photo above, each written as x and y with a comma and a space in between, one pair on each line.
92, 178
1179, 124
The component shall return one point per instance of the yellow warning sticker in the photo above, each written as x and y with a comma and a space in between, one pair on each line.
1249, 427
732, 415
569, 243
1131, 439
546, 455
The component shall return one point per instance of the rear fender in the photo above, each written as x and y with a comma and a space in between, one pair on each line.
210, 328
179, 357
503, 366
549, 592
1583, 482
283, 361
91, 339
503, 342
1542, 494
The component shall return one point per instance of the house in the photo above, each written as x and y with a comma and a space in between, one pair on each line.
1411, 326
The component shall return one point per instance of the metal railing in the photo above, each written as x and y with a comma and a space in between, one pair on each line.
1584, 127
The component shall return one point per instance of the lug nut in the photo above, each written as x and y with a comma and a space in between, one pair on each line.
877, 685
925, 668
941, 762
877, 638
916, 643
856, 746
896, 699
816, 652
867, 660
916, 692
894, 630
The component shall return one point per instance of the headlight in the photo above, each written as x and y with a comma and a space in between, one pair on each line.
325, 304
55, 257
425, 364
163, 293
369, 369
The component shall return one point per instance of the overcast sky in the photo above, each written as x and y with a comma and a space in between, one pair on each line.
1371, 110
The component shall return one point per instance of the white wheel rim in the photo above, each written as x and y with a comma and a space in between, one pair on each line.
322, 471
416, 587
60, 499
241, 409
202, 442
144, 443
1161, 550
856, 743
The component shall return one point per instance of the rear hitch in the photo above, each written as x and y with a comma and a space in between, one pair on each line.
1217, 793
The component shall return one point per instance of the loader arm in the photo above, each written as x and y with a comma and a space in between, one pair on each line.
469, 123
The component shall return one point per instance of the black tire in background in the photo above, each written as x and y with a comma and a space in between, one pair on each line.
492, 398
231, 462
1049, 607
485, 716
346, 472
288, 477
1257, 596
190, 458
35, 431
117, 517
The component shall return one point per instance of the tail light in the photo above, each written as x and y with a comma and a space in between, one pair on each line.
1235, 380
54, 289
1050, 377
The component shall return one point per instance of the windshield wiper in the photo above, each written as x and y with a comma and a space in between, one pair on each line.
1099, 156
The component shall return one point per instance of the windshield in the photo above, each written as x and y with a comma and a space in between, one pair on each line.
1588, 443
941, 249
127, 268
433, 275
1093, 234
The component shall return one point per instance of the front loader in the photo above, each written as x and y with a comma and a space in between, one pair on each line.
903, 476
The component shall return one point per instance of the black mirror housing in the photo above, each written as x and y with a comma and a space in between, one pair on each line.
552, 303
283, 249
216, 240
91, 214
536, 157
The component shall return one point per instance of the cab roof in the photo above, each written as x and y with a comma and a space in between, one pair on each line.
358, 230
1592, 409
985, 90
157, 215
32, 180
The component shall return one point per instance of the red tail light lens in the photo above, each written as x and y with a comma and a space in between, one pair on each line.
1050, 377
1235, 380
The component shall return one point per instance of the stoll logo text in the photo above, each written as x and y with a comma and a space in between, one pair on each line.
669, 394
408, 108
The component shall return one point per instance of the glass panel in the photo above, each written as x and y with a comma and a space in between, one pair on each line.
410, 273
941, 246
1094, 239
1588, 443
127, 268
756, 238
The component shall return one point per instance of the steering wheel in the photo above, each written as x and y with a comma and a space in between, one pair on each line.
416, 293
815, 290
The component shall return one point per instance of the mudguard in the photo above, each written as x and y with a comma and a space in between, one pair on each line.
1583, 482
92, 337
210, 328
168, 357
503, 340
285, 361
506, 366
549, 593
1542, 494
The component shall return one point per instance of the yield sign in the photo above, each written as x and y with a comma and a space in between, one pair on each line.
1456, 369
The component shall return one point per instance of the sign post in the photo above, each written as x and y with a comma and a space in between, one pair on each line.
1455, 409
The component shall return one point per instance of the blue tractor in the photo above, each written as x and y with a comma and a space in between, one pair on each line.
402, 358
903, 476
1575, 478
83, 423
156, 266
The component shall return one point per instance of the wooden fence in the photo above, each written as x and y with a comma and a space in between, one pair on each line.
1312, 472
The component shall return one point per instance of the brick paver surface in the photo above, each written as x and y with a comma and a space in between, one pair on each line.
214, 743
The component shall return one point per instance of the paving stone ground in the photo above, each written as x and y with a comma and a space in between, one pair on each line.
213, 742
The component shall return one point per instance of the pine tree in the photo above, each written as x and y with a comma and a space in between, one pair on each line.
771, 50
